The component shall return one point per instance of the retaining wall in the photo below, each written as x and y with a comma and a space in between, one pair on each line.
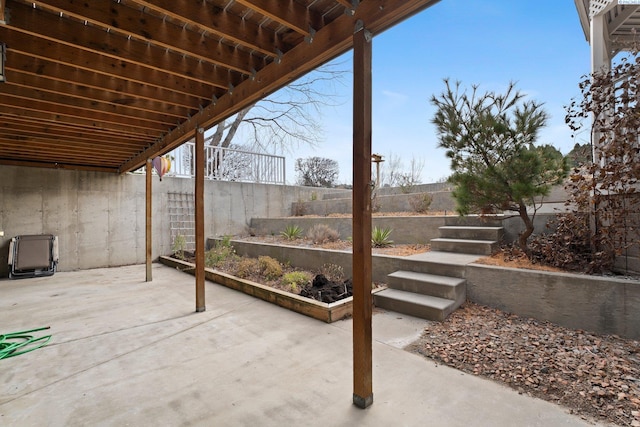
599, 304
603, 305
99, 218
314, 258
342, 203
409, 229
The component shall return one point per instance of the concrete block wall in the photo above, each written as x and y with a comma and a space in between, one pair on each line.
441, 201
603, 305
99, 218
405, 229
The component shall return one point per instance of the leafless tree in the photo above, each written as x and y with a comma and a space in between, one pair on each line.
317, 171
393, 174
287, 118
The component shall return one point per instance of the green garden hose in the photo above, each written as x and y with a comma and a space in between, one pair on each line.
17, 343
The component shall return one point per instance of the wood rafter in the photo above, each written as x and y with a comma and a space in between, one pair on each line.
126, 80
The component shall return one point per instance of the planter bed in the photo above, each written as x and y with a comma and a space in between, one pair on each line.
318, 310
599, 304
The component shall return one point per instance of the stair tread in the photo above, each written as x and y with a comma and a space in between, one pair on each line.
427, 278
420, 299
470, 227
445, 239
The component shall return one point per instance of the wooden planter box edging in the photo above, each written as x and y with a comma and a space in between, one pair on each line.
318, 310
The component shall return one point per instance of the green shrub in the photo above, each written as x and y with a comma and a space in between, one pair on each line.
322, 233
295, 279
221, 251
179, 245
218, 254
291, 232
269, 267
380, 237
225, 242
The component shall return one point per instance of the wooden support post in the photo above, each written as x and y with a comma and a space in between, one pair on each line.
148, 223
362, 299
199, 190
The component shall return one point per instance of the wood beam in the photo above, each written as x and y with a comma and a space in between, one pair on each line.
198, 14
29, 21
68, 94
51, 132
16, 99
130, 22
148, 220
53, 145
329, 42
199, 222
362, 272
52, 165
110, 67
114, 100
346, 3
18, 62
77, 123
287, 13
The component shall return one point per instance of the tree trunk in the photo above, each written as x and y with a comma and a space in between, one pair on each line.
524, 236
234, 126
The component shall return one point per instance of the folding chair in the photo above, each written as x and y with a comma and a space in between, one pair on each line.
33, 256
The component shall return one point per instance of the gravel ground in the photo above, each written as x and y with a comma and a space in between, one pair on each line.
596, 377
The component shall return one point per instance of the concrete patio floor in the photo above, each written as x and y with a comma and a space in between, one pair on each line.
127, 352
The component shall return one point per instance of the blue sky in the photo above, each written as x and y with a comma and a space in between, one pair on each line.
538, 44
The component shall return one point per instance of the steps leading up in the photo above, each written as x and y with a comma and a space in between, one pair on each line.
427, 284
428, 296
472, 233
475, 221
418, 305
479, 247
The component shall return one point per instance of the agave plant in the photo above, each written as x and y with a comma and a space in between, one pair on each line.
380, 237
291, 232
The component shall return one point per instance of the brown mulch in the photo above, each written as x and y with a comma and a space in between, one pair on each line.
343, 245
378, 214
595, 377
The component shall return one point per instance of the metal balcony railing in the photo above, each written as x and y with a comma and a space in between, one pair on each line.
228, 164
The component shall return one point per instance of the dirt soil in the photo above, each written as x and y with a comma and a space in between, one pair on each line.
595, 377
342, 245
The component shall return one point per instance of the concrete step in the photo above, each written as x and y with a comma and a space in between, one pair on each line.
441, 266
471, 232
417, 305
479, 247
475, 220
452, 288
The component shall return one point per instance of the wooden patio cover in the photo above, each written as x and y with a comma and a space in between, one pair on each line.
106, 85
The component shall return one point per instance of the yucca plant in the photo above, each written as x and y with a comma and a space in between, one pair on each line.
380, 237
291, 232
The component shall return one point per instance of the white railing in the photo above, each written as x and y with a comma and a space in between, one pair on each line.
228, 164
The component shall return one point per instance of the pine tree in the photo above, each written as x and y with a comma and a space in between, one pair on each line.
490, 139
